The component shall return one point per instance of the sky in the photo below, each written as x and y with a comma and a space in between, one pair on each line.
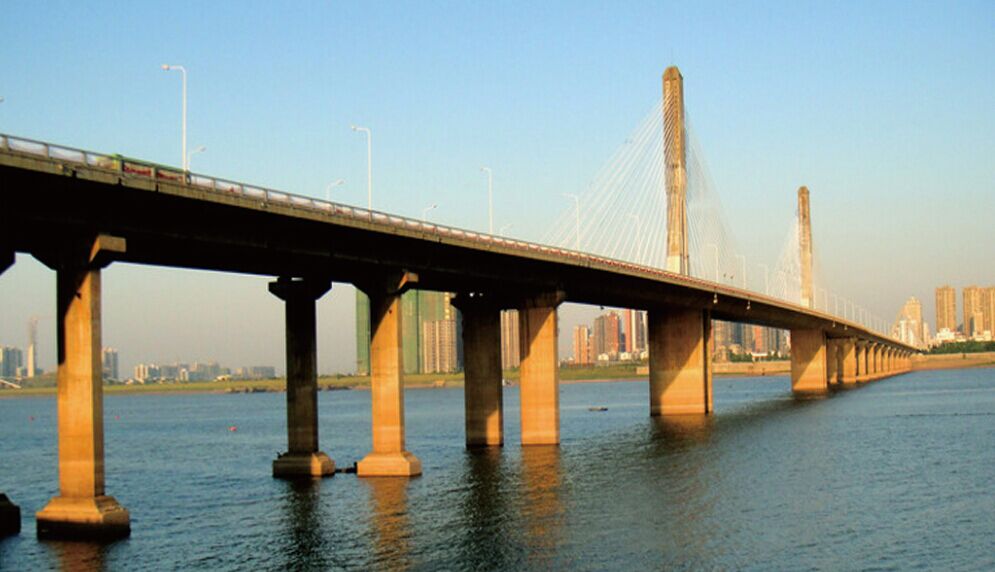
885, 110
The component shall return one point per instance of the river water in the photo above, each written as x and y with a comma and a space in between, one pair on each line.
895, 475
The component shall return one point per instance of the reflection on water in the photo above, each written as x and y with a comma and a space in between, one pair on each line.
880, 477
680, 432
390, 525
542, 503
302, 524
79, 556
485, 540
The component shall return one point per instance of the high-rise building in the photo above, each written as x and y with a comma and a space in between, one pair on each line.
988, 308
439, 346
110, 361
32, 347
946, 308
11, 360
510, 350
635, 331
607, 335
417, 308
582, 345
973, 313
908, 325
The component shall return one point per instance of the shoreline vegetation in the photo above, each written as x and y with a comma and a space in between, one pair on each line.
568, 375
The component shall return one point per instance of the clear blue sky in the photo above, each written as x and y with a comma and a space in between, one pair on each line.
886, 110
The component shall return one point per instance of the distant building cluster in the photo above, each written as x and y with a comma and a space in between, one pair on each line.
978, 318
621, 336
909, 326
12, 362
212, 371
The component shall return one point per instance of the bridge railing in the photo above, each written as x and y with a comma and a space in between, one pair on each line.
126, 166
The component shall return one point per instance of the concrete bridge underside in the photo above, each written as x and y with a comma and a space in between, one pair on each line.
77, 219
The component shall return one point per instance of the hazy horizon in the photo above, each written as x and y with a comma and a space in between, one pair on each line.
883, 111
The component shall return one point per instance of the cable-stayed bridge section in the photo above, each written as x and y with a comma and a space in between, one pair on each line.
78, 211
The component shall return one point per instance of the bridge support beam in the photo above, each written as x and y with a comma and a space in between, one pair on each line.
302, 459
82, 509
483, 396
848, 358
832, 362
808, 361
10, 517
680, 364
389, 458
539, 369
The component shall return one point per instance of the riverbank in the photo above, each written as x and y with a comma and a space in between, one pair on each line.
568, 375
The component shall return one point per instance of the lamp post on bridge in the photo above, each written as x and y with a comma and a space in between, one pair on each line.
426, 210
742, 258
490, 199
332, 185
504, 228
182, 70
766, 279
199, 149
576, 219
369, 166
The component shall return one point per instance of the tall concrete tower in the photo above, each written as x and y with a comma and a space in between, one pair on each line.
32, 346
675, 161
805, 246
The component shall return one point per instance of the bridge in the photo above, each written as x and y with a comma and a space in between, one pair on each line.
78, 211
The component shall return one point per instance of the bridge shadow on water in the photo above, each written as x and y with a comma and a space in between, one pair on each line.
73, 556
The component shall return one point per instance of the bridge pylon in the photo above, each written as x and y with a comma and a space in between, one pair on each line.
675, 163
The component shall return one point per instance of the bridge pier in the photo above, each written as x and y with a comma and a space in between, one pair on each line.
808, 361
10, 517
539, 369
389, 458
680, 364
849, 361
302, 459
483, 395
82, 509
832, 362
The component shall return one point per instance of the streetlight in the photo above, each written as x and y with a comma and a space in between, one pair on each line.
490, 199
766, 279
576, 220
200, 149
369, 166
332, 185
504, 228
743, 264
182, 70
426, 210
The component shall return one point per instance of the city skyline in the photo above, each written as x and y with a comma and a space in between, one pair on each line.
763, 136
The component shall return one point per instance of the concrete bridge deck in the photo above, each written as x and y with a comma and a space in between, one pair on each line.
78, 211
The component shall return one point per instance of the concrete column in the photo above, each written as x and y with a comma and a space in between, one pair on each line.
848, 357
875, 361
302, 459
82, 509
483, 396
805, 248
808, 361
832, 361
679, 361
675, 168
539, 370
389, 457
10, 517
